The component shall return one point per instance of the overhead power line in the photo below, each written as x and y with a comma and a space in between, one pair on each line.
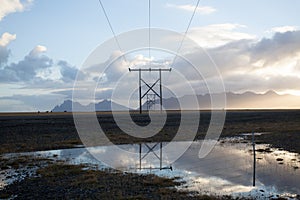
149, 29
186, 31
111, 28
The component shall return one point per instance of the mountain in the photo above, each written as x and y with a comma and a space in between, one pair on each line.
270, 100
104, 105
247, 100
67, 106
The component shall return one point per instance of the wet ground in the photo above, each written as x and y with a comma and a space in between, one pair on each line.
227, 170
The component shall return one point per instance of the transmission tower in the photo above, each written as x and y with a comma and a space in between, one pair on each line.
150, 86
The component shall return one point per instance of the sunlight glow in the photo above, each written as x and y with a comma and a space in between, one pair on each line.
291, 92
284, 67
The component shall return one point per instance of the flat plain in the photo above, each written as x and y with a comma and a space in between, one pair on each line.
28, 132
21, 132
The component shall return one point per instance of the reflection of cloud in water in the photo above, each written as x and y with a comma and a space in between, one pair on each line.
227, 166
227, 169
217, 185
112, 155
232, 162
225, 162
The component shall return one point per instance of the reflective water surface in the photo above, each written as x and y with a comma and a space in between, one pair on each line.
228, 169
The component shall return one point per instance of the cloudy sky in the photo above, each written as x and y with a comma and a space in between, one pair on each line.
45, 43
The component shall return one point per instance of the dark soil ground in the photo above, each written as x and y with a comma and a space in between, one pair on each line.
44, 131
56, 180
59, 181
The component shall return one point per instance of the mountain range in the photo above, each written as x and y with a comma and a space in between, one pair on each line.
105, 105
247, 100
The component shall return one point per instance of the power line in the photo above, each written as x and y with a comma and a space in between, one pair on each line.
149, 29
112, 30
186, 31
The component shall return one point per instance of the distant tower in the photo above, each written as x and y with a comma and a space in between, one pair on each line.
151, 101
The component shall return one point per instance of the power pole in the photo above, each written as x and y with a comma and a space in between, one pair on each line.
254, 158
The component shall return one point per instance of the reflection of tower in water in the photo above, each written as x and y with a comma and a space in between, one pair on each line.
158, 154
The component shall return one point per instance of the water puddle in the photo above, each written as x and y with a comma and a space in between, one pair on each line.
17, 166
255, 133
227, 169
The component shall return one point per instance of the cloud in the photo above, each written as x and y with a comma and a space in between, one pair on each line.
257, 65
280, 46
218, 34
36, 75
110, 70
103, 93
117, 66
276, 55
245, 63
283, 29
252, 82
13, 105
30, 102
12, 6
26, 69
36, 68
37, 50
6, 38
111, 76
297, 66
69, 72
4, 54
204, 10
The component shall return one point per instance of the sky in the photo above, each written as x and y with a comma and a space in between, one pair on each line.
45, 43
